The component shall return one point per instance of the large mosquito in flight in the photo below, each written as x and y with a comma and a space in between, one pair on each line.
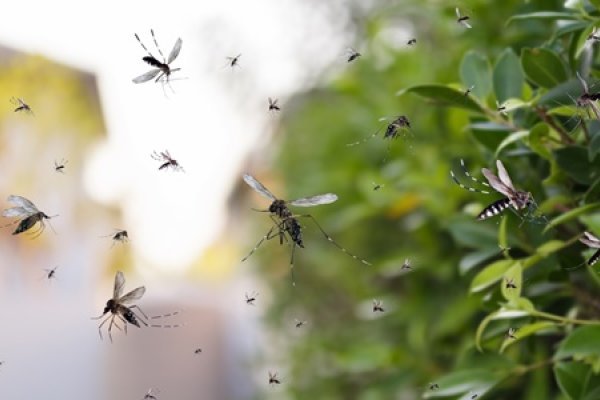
516, 199
162, 69
28, 213
286, 223
593, 242
118, 307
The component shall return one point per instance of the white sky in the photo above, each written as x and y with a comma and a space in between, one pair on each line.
216, 117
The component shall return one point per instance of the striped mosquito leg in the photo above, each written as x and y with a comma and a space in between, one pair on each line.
140, 310
594, 258
292, 264
364, 140
330, 239
143, 46
470, 189
268, 236
156, 44
494, 209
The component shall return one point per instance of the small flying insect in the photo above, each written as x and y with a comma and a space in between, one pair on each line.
120, 236
285, 223
198, 351
516, 199
377, 186
273, 379
167, 161
150, 395
51, 273
510, 334
474, 396
592, 36
234, 61
469, 90
117, 307
510, 284
462, 19
299, 324
378, 306
501, 108
406, 265
412, 41
273, 106
21, 106
587, 100
251, 298
162, 70
392, 130
433, 386
28, 213
593, 242
353, 54
60, 166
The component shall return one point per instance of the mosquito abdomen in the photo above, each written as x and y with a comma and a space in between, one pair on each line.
494, 209
27, 223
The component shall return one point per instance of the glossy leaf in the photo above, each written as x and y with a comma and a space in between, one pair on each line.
444, 95
526, 330
475, 72
508, 77
490, 275
572, 214
543, 67
513, 276
581, 342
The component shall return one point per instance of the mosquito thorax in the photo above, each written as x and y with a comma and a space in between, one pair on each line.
279, 208
521, 200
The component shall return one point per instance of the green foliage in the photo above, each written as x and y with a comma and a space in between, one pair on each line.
446, 321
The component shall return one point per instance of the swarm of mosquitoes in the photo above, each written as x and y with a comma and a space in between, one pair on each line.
120, 310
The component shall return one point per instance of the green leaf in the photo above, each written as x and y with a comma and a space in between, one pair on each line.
508, 77
502, 235
581, 342
575, 162
475, 258
537, 136
543, 67
510, 139
475, 71
477, 380
550, 247
569, 215
551, 15
513, 275
570, 377
594, 147
490, 275
503, 313
444, 95
471, 233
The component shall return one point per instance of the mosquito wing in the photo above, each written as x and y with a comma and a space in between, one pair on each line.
457, 12
147, 76
175, 51
503, 175
256, 185
135, 294
326, 198
119, 284
496, 183
24, 203
18, 212
590, 240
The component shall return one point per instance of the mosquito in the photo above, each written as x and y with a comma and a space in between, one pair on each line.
516, 199
412, 41
511, 333
299, 324
167, 161
151, 394
462, 19
28, 213
198, 351
469, 91
501, 108
60, 166
234, 61
251, 298
593, 242
286, 223
392, 131
406, 265
51, 273
592, 36
119, 308
378, 306
353, 54
21, 105
510, 284
120, 235
377, 186
433, 386
273, 378
587, 100
273, 106
162, 69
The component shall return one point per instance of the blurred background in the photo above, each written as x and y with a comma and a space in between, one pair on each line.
73, 64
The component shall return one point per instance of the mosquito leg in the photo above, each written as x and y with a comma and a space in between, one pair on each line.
101, 325
142, 44
171, 314
124, 323
266, 237
140, 310
292, 264
39, 231
364, 140
112, 322
330, 239
470, 189
156, 44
